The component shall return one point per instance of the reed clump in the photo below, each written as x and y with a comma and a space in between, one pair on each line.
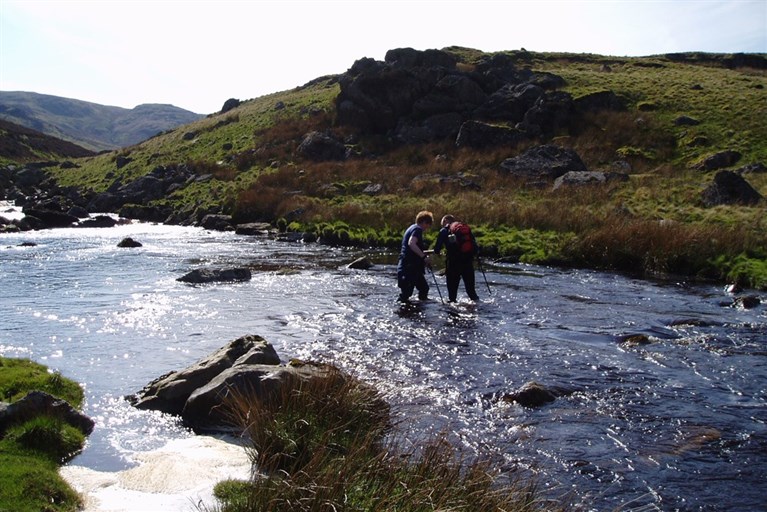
328, 444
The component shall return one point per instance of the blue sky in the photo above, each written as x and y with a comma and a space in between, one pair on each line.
197, 54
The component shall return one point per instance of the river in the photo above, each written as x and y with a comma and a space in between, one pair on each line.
675, 424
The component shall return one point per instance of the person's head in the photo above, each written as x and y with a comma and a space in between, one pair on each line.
447, 220
424, 219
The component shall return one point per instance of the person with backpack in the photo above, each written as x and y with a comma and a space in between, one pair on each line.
414, 259
460, 249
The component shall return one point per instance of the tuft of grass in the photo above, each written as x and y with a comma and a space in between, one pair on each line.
49, 437
325, 413
326, 444
19, 376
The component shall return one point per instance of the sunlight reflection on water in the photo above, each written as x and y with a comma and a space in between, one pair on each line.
635, 421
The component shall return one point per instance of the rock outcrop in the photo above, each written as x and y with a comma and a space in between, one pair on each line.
544, 162
321, 147
422, 96
580, 178
247, 366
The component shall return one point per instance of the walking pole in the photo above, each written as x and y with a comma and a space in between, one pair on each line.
437, 285
482, 269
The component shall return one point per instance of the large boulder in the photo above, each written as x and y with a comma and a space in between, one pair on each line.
580, 178
51, 218
544, 162
729, 188
170, 392
217, 222
253, 228
206, 408
419, 97
200, 394
719, 160
320, 147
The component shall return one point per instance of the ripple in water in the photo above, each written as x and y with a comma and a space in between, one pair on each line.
675, 423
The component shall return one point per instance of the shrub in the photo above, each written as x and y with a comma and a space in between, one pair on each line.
322, 445
287, 429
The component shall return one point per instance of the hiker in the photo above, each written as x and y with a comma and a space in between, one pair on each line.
460, 249
414, 259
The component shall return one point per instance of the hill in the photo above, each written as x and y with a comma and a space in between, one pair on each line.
653, 165
90, 125
19, 144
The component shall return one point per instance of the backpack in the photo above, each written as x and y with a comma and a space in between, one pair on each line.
461, 233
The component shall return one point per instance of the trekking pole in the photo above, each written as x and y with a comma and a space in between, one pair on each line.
482, 269
437, 285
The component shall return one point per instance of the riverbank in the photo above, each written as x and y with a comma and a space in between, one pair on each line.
34, 443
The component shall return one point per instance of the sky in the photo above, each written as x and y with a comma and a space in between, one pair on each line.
196, 54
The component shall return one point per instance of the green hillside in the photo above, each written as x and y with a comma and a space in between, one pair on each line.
679, 110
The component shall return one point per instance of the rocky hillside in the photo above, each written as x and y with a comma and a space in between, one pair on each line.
92, 126
652, 164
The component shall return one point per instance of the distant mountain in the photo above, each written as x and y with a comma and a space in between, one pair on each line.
90, 125
21, 144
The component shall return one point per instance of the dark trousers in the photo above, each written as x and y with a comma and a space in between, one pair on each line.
411, 280
457, 268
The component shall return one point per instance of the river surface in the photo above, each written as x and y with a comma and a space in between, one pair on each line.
676, 424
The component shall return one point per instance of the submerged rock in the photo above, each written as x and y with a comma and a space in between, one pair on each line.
533, 394
205, 275
129, 242
746, 302
360, 264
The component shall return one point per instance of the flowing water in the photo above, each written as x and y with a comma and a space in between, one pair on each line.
676, 424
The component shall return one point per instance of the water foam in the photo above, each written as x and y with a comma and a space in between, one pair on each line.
177, 477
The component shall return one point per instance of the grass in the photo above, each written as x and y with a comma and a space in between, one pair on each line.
327, 444
257, 175
31, 452
19, 376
